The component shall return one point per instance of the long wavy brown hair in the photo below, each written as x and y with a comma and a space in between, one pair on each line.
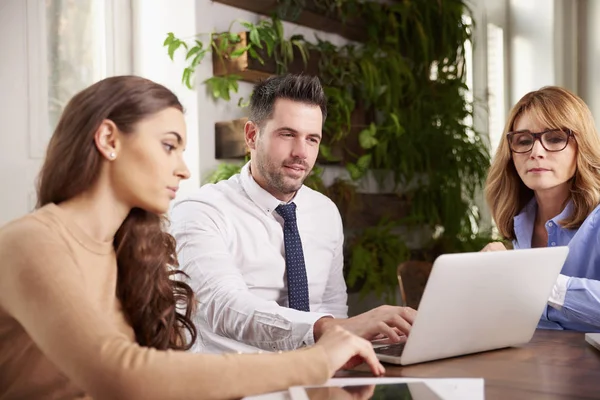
553, 107
157, 306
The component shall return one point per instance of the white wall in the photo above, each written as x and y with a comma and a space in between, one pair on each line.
152, 20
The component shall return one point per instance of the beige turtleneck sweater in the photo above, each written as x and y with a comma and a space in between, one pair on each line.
63, 334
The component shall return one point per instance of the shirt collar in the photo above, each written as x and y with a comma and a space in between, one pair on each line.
523, 224
565, 213
263, 199
525, 220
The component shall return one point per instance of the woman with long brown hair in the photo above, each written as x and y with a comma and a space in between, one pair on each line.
543, 189
90, 301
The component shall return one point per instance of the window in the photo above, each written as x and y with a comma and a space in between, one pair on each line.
71, 44
496, 84
76, 50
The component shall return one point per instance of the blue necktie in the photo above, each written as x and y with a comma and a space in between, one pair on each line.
297, 282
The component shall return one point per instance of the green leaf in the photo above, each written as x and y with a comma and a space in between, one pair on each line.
364, 162
214, 86
354, 171
255, 55
174, 45
367, 138
326, 153
397, 125
223, 43
198, 59
239, 52
303, 51
278, 28
192, 51
255, 38
243, 103
170, 37
216, 90
234, 84
186, 78
270, 43
224, 171
247, 25
225, 94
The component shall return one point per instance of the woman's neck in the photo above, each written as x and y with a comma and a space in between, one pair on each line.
551, 202
97, 212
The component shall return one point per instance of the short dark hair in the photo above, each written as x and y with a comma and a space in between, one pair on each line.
302, 88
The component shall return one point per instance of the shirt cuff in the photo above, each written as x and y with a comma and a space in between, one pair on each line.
309, 337
559, 292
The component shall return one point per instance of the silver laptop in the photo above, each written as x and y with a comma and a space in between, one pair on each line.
476, 302
593, 339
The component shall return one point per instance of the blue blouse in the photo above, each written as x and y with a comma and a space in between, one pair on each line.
581, 308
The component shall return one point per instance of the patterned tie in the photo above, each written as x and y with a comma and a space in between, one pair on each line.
294, 259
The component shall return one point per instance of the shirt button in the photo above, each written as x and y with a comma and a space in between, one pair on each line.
550, 224
553, 244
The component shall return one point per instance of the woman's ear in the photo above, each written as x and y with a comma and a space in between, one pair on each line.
106, 139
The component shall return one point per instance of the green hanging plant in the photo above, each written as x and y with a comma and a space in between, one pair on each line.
265, 40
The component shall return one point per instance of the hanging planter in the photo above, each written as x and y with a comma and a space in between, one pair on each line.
253, 64
236, 60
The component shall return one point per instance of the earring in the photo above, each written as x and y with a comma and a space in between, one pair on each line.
112, 155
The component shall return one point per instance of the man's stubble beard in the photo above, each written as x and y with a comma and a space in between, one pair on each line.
275, 177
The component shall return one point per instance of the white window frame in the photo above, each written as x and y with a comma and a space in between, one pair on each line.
118, 59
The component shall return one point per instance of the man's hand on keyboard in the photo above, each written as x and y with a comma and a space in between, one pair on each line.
387, 321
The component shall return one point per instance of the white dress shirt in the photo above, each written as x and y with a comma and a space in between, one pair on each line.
230, 243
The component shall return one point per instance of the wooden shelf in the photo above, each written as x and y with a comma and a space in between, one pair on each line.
307, 18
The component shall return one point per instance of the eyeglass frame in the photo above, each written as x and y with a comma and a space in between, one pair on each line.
538, 136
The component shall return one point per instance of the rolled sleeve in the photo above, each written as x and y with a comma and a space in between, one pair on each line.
559, 292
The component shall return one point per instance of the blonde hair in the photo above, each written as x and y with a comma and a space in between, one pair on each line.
553, 107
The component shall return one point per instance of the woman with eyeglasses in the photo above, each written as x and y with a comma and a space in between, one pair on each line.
543, 189
91, 302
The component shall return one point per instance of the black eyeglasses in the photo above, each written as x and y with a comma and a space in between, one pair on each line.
551, 140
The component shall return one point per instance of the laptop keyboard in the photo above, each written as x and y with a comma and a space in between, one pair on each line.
391, 350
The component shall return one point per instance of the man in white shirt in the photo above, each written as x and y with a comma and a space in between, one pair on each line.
264, 252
